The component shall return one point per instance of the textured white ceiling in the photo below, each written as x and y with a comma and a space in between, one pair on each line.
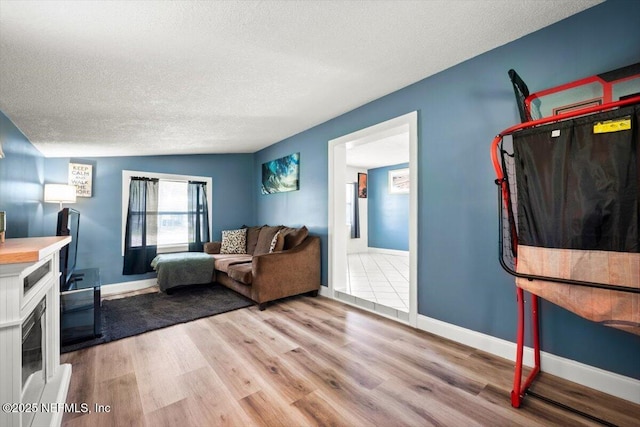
107, 78
388, 151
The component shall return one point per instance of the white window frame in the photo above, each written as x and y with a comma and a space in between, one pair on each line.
126, 178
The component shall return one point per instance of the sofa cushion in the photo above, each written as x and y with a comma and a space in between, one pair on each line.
252, 238
241, 273
234, 241
222, 262
212, 247
265, 238
217, 257
294, 237
286, 230
277, 243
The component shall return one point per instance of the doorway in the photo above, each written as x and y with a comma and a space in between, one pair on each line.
380, 277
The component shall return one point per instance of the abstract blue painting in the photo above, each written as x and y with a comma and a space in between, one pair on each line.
281, 175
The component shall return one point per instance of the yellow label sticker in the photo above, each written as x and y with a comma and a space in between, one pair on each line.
612, 125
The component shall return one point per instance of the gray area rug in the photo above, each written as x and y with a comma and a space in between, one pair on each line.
135, 315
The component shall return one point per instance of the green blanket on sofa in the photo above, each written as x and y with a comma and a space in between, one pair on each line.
183, 268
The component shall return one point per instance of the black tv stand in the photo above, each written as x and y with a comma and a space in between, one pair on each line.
80, 317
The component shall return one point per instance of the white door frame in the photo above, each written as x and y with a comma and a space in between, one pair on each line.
337, 194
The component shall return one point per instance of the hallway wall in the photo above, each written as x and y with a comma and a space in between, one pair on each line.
388, 213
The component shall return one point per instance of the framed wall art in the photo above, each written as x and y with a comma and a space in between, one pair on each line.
362, 185
399, 181
281, 175
81, 175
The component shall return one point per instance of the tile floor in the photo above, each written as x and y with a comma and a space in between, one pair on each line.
380, 278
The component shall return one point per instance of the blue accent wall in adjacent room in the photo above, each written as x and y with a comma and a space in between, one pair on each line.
388, 213
460, 110
21, 182
99, 244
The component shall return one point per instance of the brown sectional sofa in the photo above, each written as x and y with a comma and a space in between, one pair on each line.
279, 262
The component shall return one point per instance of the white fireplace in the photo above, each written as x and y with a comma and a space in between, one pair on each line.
33, 384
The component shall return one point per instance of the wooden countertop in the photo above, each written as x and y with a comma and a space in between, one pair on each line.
30, 249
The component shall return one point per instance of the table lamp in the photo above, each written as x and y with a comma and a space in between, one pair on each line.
59, 193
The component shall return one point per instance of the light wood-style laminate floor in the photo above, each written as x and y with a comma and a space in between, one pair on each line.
306, 362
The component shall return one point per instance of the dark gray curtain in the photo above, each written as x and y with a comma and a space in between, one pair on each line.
355, 214
198, 216
141, 233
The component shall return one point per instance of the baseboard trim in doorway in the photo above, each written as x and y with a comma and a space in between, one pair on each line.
387, 251
373, 307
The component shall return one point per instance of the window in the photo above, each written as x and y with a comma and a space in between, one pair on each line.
173, 208
172, 213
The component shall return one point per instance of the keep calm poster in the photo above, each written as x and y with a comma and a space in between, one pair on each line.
81, 176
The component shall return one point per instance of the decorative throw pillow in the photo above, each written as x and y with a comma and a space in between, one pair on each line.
234, 241
264, 240
285, 231
277, 243
294, 238
252, 238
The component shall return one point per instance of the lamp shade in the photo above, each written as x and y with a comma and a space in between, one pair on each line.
59, 193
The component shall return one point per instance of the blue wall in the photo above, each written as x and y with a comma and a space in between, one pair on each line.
307, 206
388, 213
21, 182
99, 244
460, 110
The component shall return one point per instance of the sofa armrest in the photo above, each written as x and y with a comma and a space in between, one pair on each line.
212, 247
291, 272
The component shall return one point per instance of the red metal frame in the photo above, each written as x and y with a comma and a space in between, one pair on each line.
607, 89
519, 389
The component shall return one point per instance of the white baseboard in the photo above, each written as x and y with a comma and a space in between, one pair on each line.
590, 376
387, 251
119, 288
325, 292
